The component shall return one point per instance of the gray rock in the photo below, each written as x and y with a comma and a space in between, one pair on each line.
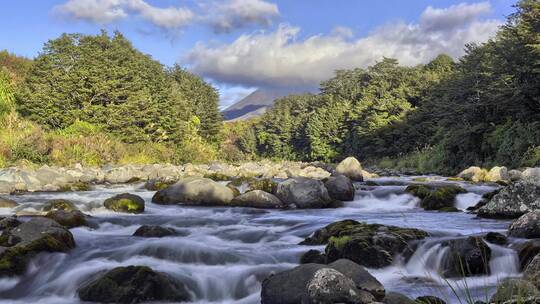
515, 175
532, 272
511, 289
351, 168
512, 201
150, 231
360, 276
532, 175
195, 191
68, 219
340, 188
466, 257
257, 199
303, 193
331, 286
527, 226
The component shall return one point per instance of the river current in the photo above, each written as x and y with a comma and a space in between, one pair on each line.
223, 254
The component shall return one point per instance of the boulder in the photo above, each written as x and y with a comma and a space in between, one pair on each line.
59, 204
512, 289
527, 251
30, 238
68, 219
497, 174
532, 271
512, 201
515, 175
496, 238
466, 257
429, 300
290, 286
257, 199
370, 245
9, 222
133, 284
526, 226
195, 191
313, 256
303, 193
125, 202
475, 174
156, 184
331, 286
435, 197
7, 203
360, 276
532, 175
351, 168
397, 298
340, 188
151, 231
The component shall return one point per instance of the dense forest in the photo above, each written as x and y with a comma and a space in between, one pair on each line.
482, 110
97, 100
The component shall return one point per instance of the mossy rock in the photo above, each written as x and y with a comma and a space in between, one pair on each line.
125, 202
68, 219
218, 177
78, 186
239, 181
264, 184
512, 289
156, 185
59, 204
419, 190
449, 209
435, 198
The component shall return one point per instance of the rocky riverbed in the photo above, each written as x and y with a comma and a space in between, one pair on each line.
301, 233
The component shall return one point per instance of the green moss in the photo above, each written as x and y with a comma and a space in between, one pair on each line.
241, 180
455, 179
441, 197
125, 203
59, 204
419, 190
339, 242
218, 177
265, 184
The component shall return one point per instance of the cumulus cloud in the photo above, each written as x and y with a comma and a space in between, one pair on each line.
107, 11
229, 15
280, 58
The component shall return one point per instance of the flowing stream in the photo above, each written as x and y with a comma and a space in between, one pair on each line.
223, 254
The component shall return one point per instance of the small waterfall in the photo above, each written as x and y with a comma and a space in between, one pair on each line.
466, 200
504, 261
394, 202
427, 260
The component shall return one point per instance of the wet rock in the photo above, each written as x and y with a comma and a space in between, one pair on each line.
303, 193
7, 203
151, 231
195, 191
370, 245
466, 257
527, 251
68, 219
313, 256
527, 226
496, 238
331, 286
340, 188
449, 209
514, 289
9, 222
475, 174
351, 168
33, 237
532, 272
397, 298
257, 199
133, 284
512, 201
435, 198
290, 286
429, 300
125, 202
59, 204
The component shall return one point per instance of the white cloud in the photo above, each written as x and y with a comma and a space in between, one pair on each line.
234, 14
107, 11
280, 58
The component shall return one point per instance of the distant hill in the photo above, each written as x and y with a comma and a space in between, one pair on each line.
255, 104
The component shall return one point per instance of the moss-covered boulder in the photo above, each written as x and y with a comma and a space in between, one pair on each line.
370, 245
313, 256
125, 202
59, 204
435, 197
30, 238
156, 184
7, 203
68, 219
77, 186
218, 177
151, 231
133, 284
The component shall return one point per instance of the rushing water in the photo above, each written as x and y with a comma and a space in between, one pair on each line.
223, 254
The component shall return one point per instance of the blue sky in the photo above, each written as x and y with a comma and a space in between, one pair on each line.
240, 45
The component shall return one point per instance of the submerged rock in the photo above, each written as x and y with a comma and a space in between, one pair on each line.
133, 284
303, 193
466, 257
435, 197
30, 238
151, 231
125, 202
59, 204
496, 238
257, 199
370, 245
292, 286
514, 289
340, 188
527, 226
68, 219
195, 191
512, 201
351, 168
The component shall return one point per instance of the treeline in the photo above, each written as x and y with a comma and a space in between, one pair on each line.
439, 117
96, 99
